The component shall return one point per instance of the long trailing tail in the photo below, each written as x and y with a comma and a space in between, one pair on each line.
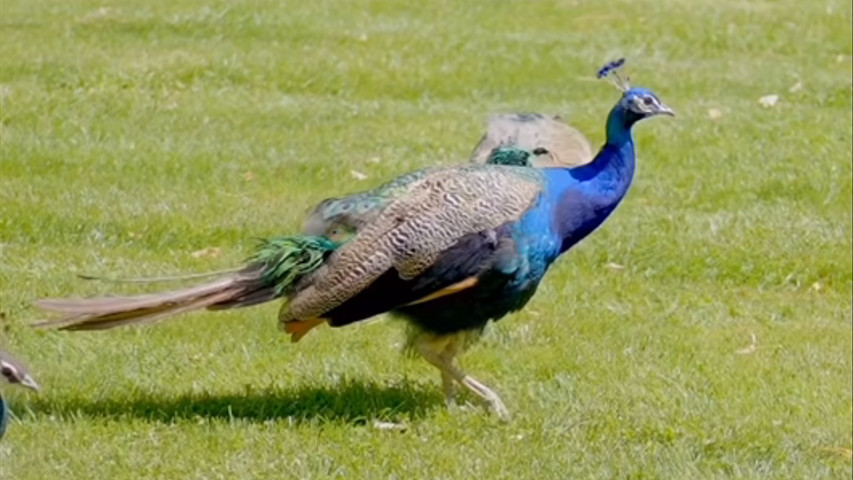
273, 272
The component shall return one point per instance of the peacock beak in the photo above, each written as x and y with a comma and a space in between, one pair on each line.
664, 110
27, 381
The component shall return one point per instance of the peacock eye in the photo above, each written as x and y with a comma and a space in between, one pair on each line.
649, 101
540, 151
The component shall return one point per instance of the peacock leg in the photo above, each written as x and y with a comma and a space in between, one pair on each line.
449, 389
448, 353
427, 349
487, 394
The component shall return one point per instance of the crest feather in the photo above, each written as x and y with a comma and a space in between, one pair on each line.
611, 72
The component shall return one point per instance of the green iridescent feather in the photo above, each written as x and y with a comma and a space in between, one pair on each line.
286, 260
511, 156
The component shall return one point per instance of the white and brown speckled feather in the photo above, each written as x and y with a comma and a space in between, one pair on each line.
413, 230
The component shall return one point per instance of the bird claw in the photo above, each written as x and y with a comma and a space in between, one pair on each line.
496, 405
490, 399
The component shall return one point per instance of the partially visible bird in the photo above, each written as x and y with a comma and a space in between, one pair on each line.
446, 249
15, 373
553, 142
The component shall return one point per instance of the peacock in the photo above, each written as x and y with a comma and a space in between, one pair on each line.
15, 373
446, 249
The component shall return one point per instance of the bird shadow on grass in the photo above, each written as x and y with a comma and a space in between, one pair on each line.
349, 402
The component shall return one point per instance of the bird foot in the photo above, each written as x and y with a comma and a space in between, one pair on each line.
496, 408
490, 399
496, 405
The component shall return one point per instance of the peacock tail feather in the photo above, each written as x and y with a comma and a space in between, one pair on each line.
283, 261
276, 270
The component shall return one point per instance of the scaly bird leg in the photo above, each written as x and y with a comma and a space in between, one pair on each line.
449, 389
448, 353
439, 359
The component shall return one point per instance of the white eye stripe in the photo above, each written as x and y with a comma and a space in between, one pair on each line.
645, 104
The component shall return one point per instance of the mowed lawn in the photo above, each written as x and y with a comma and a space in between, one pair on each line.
703, 332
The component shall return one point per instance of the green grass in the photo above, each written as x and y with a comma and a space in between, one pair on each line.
133, 135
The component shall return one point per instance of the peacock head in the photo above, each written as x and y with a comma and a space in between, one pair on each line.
643, 103
15, 373
636, 103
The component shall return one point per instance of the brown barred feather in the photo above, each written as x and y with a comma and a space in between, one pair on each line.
413, 230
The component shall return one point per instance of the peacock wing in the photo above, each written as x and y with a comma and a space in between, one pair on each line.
566, 146
415, 228
341, 217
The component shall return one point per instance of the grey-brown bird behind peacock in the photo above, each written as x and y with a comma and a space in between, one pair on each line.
552, 142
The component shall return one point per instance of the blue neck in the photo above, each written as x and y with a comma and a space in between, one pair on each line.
611, 171
619, 123
583, 197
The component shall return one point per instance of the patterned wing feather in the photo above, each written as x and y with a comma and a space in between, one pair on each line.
412, 231
340, 218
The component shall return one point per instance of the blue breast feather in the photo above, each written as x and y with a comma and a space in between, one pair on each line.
572, 205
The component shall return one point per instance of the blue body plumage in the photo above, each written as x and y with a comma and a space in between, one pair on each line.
4, 416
